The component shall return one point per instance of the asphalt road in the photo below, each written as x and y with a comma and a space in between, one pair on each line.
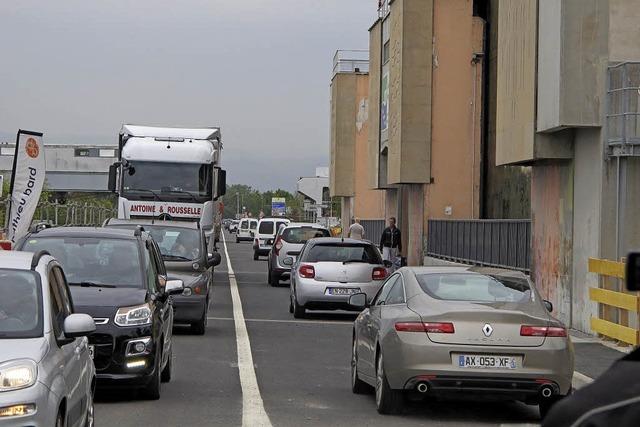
301, 368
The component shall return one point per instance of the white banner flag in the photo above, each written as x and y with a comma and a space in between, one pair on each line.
26, 182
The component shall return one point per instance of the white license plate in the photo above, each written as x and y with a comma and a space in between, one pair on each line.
92, 351
342, 291
485, 361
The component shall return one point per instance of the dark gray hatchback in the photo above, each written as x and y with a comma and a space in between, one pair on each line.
183, 248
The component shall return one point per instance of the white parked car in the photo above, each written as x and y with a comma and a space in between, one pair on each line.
266, 234
47, 376
246, 230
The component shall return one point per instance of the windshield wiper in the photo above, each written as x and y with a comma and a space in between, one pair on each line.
182, 192
91, 285
145, 190
178, 257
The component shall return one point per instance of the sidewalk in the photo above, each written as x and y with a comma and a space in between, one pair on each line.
593, 357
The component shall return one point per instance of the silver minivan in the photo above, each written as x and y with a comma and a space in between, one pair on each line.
265, 235
47, 376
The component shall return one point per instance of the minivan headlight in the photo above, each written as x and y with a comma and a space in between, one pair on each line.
134, 316
18, 374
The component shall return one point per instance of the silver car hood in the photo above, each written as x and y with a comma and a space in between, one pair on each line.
26, 348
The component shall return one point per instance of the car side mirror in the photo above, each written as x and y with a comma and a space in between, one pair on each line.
288, 261
548, 306
214, 259
358, 301
632, 273
174, 287
78, 325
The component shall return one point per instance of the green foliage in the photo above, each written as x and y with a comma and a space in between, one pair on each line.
252, 201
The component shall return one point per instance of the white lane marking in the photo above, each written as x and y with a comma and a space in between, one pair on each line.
302, 322
253, 413
580, 380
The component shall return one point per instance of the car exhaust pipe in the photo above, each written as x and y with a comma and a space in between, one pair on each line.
422, 387
546, 391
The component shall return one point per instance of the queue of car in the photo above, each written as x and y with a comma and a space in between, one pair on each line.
426, 331
101, 303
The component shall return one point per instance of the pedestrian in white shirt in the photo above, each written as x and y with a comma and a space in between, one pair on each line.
356, 231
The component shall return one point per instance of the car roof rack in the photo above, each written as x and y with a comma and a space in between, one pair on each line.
36, 258
138, 231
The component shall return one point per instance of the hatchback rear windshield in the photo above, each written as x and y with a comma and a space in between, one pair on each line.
20, 304
475, 287
96, 260
266, 227
341, 252
302, 234
244, 224
253, 225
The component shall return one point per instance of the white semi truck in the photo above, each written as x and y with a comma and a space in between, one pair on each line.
170, 173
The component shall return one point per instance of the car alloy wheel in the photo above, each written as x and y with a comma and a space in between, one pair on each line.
357, 385
388, 401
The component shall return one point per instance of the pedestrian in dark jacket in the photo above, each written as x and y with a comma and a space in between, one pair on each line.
391, 241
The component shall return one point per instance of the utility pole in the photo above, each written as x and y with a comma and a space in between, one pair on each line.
237, 205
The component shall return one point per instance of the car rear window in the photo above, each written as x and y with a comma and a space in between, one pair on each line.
302, 234
266, 227
343, 252
475, 287
244, 224
253, 225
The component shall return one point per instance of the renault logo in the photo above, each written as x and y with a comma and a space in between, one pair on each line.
487, 330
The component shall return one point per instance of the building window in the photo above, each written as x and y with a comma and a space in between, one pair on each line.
385, 53
83, 152
107, 153
7, 151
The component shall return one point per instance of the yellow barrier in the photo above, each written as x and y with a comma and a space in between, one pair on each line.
613, 302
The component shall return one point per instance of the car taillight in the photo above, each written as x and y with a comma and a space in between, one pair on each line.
307, 271
430, 327
379, 273
256, 242
5, 244
542, 331
278, 245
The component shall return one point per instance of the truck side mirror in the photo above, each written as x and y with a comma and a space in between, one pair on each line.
113, 169
633, 271
221, 182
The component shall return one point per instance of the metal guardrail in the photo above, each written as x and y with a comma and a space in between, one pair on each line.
622, 128
617, 311
350, 61
493, 243
65, 214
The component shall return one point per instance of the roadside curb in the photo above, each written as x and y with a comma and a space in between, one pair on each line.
580, 380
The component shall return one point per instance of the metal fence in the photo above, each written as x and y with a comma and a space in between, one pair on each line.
65, 214
495, 243
372, 229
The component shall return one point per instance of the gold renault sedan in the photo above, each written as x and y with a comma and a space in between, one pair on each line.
442, 331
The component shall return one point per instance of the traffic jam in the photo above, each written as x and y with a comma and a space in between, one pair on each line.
86, 310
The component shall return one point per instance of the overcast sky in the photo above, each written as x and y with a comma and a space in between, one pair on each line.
260, 69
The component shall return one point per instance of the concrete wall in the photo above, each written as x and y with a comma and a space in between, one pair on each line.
516, 79
552, 234
456, 112
506, 189
373, 141
624, 31
343, 134
586, 231
410, 91
572, 46
367, 203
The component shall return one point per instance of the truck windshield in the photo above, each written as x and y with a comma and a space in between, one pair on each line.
173, 180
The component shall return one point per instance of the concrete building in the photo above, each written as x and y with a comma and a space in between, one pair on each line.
350, 122
315, 191
69, 168
567, 106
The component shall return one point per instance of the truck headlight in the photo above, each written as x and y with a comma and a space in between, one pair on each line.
18, 374
133, 316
